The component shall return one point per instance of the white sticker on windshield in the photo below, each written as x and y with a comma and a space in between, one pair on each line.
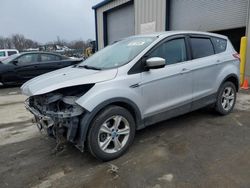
136, 43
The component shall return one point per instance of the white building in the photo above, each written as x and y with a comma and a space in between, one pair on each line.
116, 19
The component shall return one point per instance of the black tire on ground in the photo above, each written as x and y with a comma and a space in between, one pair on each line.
93, 134
218, 106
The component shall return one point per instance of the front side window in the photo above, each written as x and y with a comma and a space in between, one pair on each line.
2, 54
49, 57
201, 47
11, 53
118, 54
173, 51
28, 59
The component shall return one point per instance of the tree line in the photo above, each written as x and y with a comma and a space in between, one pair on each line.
21, 43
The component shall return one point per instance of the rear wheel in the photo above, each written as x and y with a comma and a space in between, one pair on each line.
226, 98
111, 133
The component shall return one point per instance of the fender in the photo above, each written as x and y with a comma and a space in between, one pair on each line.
89, 116
231, 76
226, 73
102, 92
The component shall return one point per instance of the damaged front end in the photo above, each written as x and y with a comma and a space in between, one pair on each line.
58, 114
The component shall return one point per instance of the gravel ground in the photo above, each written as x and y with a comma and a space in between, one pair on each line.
199, 149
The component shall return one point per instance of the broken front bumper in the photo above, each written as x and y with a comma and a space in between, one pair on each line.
42, 122
56, 125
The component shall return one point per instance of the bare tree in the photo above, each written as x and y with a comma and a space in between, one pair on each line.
21, 43
2, 43
77, 44
60, 42
6, 43
30, 44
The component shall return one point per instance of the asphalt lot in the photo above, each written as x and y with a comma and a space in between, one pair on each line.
199, 149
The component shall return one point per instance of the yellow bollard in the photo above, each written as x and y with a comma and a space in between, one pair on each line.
243, 51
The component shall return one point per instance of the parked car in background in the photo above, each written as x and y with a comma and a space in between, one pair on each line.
5, 53
19, 68
132, 84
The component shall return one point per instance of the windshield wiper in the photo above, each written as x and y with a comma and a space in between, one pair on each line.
89, 67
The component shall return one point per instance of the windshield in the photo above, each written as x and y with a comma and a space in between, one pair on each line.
117, 54
10, 58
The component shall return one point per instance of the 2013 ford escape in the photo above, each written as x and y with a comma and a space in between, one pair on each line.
136, 82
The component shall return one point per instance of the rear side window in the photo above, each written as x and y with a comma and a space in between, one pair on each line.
220, 45
201, 47
2, 54
49, 57
11, 53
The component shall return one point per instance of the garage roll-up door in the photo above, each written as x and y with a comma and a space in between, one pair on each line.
120, 23
207, 15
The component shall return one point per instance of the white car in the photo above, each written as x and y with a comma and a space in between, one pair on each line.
131, 84
5, 53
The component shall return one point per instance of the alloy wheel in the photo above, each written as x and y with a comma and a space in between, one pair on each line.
113, 134
228, 97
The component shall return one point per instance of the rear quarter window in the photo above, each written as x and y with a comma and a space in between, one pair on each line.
201, 47
220, 44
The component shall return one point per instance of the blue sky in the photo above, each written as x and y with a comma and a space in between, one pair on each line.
44, 20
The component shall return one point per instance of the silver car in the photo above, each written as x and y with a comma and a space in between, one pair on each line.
131, 84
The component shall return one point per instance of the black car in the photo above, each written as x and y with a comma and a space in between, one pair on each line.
19, 68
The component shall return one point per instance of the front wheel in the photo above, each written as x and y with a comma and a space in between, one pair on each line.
226, 98
111, 133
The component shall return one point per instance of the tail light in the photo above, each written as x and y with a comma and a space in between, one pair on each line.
237, 56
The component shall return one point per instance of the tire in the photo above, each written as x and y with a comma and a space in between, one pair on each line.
226, 98
104, 142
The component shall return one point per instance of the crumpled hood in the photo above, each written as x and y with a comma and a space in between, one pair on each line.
65, 77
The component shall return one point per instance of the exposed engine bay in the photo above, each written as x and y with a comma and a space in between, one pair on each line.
57, 113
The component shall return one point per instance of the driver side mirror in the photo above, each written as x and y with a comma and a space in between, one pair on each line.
155, 63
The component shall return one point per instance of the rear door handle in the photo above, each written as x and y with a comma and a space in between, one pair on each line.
184, 70
217, 61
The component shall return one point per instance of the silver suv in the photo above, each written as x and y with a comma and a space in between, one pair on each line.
136, 82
